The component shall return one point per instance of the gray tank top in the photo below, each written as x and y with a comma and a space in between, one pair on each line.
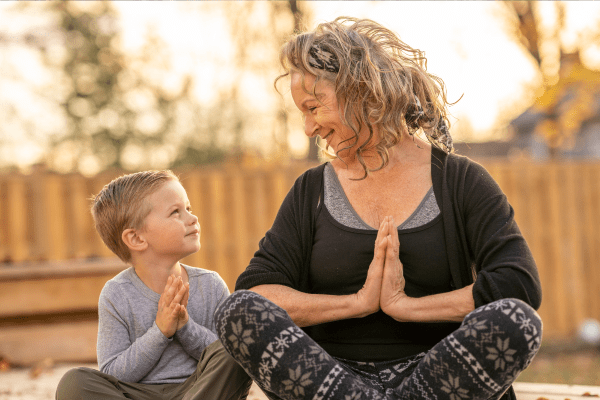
342, 211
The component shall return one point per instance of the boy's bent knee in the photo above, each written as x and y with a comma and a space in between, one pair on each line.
72, 383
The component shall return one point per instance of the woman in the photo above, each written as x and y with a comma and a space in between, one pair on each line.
401, 262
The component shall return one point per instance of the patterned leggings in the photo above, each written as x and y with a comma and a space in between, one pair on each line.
480, 360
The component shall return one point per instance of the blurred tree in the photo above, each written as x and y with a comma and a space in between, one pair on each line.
120, 112
571, 90
124, 110
258, 29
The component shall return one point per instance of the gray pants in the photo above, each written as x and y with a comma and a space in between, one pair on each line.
217, 377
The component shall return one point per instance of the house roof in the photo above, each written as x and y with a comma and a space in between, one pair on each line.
563, 108
477, 150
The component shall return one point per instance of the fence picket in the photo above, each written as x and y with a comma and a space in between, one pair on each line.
17, 219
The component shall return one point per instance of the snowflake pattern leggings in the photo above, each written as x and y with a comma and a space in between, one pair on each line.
480, 360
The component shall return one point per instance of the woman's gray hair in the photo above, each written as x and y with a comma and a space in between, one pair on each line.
378, 79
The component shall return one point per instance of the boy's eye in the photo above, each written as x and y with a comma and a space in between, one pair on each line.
189, 209
175, 211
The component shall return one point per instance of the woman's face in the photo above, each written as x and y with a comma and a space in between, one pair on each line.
321, 114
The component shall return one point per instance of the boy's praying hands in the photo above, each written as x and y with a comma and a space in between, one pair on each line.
172, 312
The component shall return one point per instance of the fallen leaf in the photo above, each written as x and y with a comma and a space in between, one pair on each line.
4, 365
43, 366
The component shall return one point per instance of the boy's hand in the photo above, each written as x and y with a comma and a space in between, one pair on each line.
183, 314
169, 306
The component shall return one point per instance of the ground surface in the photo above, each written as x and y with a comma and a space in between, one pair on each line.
580, 367
20, 384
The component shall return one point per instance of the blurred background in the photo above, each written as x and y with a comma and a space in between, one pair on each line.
91, 90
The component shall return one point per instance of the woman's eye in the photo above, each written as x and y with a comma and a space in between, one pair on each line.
311, 109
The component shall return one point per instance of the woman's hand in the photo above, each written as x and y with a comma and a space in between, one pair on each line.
392, 286
441, 307
368, 297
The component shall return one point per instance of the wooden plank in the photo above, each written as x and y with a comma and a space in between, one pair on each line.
557, 261
38, 217
280, 189
60, 269
17, 219
592, 183
540, 241
4, 227
19, 298
537, 391
521, 197
240, 232
573, 275
219, 227
260, 209
585, 213
55, 214
80, 217
30, 289
27, 344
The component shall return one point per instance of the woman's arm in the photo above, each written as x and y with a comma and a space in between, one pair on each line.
503, 261
307, 309
442, 307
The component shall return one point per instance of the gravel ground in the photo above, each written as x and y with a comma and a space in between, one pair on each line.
40, 383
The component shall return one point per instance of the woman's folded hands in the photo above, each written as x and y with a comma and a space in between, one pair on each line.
384, 287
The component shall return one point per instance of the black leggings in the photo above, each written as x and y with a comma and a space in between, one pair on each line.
480, 360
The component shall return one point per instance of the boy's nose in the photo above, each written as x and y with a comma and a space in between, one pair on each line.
193, 219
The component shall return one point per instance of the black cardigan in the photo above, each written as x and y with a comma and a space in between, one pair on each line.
483, 242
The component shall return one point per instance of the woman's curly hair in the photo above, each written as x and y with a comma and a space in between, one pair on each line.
378, 79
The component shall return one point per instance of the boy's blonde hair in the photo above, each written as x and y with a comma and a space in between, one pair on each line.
122, 204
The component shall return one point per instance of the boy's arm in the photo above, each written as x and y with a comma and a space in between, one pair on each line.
193, 336
117, 355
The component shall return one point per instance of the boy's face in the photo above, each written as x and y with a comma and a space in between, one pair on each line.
170, 229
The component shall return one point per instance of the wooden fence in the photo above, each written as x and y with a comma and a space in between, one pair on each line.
44, 217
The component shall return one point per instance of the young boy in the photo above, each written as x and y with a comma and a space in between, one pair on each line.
156, 333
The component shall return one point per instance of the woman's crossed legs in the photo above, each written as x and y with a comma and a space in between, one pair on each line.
480, 360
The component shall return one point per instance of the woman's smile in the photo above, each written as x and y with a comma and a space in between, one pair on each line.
320, 109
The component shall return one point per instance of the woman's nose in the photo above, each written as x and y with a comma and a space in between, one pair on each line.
310, 126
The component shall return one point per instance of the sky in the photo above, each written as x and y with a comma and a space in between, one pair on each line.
467, 44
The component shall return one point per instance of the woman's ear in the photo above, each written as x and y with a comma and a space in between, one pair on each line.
133, 240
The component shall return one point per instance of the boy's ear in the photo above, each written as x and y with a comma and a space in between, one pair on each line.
133, 240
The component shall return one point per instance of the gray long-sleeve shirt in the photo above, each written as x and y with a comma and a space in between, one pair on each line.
132, 348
